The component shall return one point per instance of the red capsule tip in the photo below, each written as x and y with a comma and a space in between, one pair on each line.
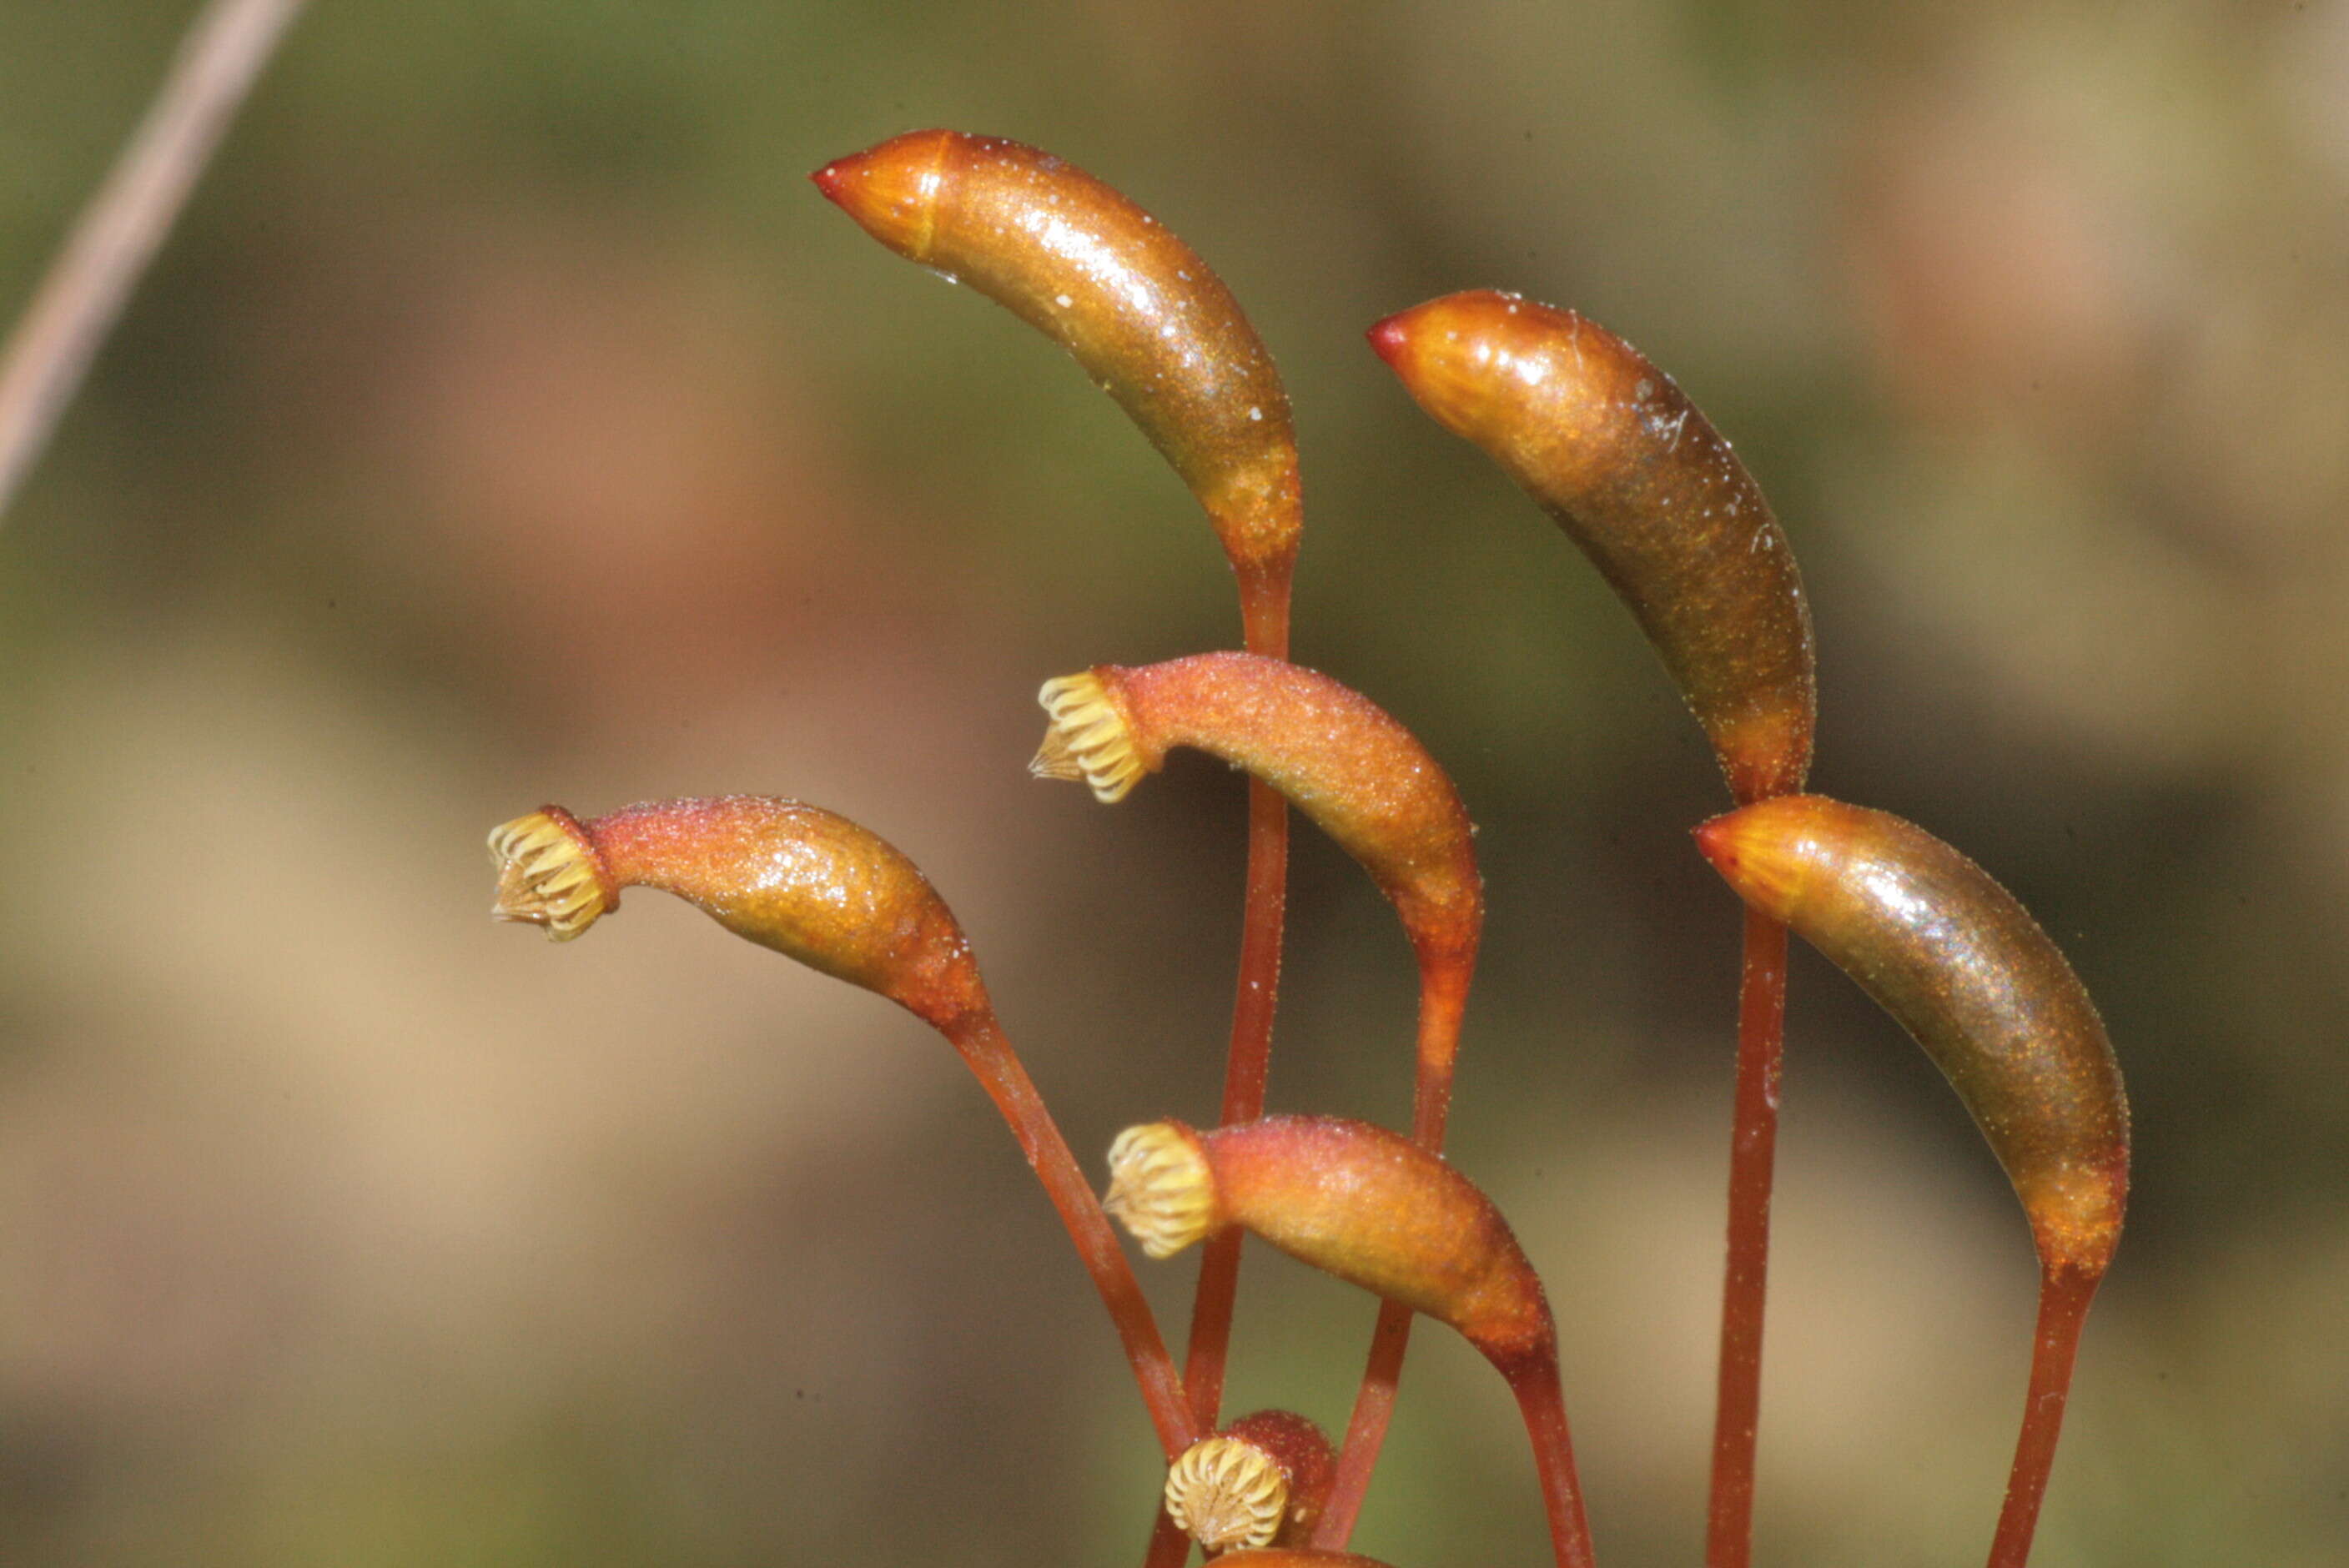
893, 190
832, 179
1388, 337
1717, 842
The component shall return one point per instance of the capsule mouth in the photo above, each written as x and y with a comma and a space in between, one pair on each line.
549, 874
1160, 1188
1089, 738
1226, 1493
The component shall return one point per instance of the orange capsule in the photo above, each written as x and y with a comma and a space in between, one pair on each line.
1377, 1211
1350, 1198
1141, 313
1338, 757
817, 887
1965, 970
805, 882
1609, 448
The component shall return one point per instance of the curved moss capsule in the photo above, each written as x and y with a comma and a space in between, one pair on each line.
1141, 313
1337, 757
1964, 968
1353, 1199
815, 886
1285, 1557
805, 882
1609, 448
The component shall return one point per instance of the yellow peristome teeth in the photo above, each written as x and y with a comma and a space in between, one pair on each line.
1088, 739
1160, 1188
547, 876
1227, 1493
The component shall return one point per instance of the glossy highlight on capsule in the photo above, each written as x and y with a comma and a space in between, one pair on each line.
1609, 446
1965, 970
1338, 757
1148, 319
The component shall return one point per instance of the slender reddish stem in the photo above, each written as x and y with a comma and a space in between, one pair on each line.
1544, 1406
2063, 1298
1366, 1431
1169, 1547
1245, 1072
1443, 997
1760, 1047
981, 1043
1264, 609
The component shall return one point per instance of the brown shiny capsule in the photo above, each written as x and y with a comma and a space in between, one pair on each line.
1610, 449
1337, 757
1965, 970
1141, 313
1350, 1198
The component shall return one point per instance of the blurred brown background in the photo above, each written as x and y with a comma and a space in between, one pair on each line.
510, 421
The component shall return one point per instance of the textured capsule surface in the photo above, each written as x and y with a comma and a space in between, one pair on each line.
805, 882
1608, 446
1964, 969
1372, 1208
1340, 759
1145, 317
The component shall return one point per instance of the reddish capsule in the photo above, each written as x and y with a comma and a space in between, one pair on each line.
805, 882
1350, 1198
1964, 968
1609, 448
1337, 757
1141, 313
816, 887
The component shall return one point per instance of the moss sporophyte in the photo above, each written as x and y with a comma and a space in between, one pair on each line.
1605, 442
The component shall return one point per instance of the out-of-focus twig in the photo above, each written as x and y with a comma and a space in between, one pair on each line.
126, 221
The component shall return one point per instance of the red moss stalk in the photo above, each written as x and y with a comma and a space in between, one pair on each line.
2064, 1298
1443, 995
1753, 1151
818, 888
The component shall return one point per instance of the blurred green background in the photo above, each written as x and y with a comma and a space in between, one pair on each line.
510, 421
